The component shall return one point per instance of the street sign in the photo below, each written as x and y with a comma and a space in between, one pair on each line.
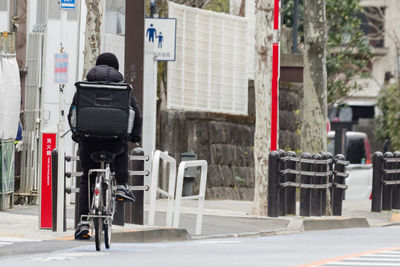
61, 68
161, 32
68, 4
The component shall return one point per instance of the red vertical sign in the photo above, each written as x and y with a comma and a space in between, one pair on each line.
48, 144
275, 78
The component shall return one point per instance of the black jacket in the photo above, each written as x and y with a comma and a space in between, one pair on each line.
104, 73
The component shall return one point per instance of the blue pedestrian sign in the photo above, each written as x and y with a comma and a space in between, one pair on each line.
162, 33
68, 4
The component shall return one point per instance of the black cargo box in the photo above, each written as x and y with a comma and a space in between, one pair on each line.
102, 109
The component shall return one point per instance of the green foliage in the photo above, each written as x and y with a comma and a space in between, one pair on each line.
388, 122
238, 182
287, 16
348, 52
218, 6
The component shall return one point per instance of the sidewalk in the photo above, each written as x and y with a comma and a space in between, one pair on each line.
222, 218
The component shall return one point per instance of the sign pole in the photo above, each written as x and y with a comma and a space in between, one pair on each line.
275, 78
160, 43
60, 141
149, 107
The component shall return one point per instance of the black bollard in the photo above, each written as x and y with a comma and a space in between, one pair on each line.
387, 190
273, 184
54, 182
396, 188
282, 179
54, 192
377, 174
324, 180
291, 190
330, 180
316, 209
338, 179
305, 193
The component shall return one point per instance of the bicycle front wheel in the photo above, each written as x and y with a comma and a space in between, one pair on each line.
98, 230
107, 235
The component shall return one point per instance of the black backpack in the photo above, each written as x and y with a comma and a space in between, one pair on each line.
103, 110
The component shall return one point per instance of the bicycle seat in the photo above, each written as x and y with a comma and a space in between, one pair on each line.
103, 156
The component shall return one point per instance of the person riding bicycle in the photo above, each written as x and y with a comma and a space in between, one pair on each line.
106, 70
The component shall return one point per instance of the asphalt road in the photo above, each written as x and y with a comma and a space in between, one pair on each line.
349, 247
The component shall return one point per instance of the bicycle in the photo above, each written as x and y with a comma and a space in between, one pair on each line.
102, 207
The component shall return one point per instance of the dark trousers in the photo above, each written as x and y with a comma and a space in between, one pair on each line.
119, 166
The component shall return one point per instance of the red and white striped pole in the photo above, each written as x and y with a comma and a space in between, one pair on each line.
275, 77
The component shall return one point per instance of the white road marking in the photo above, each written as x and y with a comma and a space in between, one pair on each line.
213, 242
68, 256
372, 259
384, 258
6, 241
347, 263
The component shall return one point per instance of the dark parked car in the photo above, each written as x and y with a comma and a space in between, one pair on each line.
358, 152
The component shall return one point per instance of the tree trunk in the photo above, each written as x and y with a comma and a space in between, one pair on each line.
314, 128
242, 10
262, 83
94, 18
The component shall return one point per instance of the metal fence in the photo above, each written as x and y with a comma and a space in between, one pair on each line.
130, 213
385, 181
210, 71
313, 175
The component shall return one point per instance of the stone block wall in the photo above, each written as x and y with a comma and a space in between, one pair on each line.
224, 141
290, 101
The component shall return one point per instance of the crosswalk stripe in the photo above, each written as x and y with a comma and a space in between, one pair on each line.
383, 256
390, 252
7, 241
353, 263
373, 259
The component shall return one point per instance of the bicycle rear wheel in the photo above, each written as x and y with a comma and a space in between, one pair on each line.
98, 230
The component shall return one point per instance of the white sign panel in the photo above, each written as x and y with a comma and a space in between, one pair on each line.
161, 32
61, 68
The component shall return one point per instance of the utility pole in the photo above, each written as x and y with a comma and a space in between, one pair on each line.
295, 26
134, 70
134, 47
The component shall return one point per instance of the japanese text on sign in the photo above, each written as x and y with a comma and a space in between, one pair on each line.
67, 4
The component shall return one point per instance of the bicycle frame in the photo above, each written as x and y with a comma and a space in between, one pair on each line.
102, 204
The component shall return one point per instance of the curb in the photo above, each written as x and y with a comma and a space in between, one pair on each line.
151, 235
334, 223
300, 225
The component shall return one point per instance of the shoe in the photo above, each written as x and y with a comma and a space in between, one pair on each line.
124, 194
82, 231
